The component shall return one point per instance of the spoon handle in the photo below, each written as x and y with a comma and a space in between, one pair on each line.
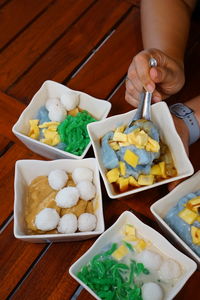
146, 109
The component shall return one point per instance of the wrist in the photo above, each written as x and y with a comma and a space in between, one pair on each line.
182, 129
187, 116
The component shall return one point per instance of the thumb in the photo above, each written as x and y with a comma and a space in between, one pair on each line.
161, 75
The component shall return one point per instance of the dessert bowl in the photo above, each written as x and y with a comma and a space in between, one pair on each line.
26, 171
97, 108
161, 117
154, 242
161, 207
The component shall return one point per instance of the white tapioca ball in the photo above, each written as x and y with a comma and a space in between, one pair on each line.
47, 219
52, 101
81, 173
57, 113
67, 197
57, 179
87, 222
68, 223
151, 260
151, 291
169, 269
86, 189
70, 100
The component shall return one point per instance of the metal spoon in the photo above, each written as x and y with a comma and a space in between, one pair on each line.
144, 107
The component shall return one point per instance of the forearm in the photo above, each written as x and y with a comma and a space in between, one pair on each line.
165, 25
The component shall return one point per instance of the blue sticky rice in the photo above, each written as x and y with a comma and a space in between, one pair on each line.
179, 225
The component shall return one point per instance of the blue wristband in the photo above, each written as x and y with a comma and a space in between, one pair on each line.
185, 113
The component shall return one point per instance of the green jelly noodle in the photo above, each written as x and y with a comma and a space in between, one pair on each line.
110, 279
73, 132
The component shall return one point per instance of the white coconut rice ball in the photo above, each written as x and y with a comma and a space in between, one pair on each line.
52, 101
87, 222
151, 290
151, 260
169, 269
57, 179
67, 197
81, 173
70, 100
86, 189
57, 113
68, 223
47, 219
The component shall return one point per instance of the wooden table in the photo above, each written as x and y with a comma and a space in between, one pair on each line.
88, 46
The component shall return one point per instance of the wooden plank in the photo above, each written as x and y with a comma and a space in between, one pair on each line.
4, 142
15, 258
16, 15
72, 49
85, 295
7, 169
106, 68
10, 110
53, 269
26, 49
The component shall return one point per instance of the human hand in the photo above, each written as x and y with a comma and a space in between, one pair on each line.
184, 135
164, 80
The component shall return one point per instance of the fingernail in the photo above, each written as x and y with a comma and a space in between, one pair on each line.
150, 88
156, 99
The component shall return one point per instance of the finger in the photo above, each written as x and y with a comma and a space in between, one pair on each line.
141, 63
134, 85
131, 91
161, 75
157, 96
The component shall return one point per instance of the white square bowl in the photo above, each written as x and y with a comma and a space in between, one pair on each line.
113, 234
162, 118
161, 207
26, 171
98, 108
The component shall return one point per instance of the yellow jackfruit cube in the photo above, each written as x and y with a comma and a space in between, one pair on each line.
131, 158
133, 181
119, 137
123, 144
141, 139
141, 245
187, 215
152, 145
51, 138
193, 204
146, 179
114, 145
73, 112
123, 184
155, 170
34, 131
113, 175
47, 124
129, 233
120, 129
163, 169
195, 232
122, 168
120, 252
